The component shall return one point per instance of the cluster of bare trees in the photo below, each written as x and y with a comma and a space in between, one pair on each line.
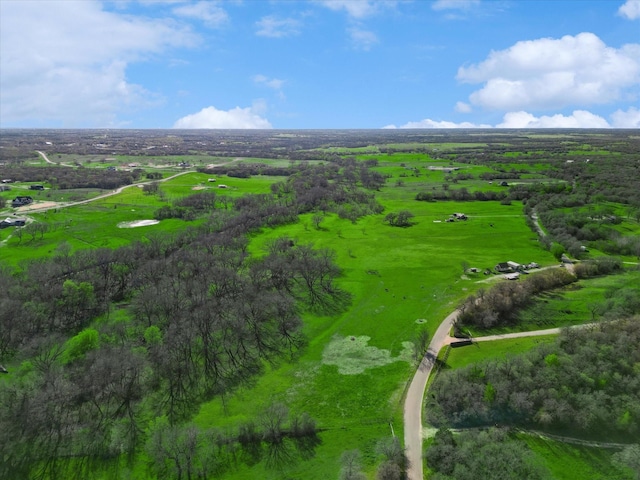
499, 304
460, 195
393, 462
184, 452
63, 178
202, 317
489, 454
584, 384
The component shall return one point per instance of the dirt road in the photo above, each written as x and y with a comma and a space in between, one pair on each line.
36, 208
415, 393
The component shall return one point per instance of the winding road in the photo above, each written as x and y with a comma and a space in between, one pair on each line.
33, 208
415, 393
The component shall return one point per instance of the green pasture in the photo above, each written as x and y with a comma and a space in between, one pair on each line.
498, 349
95, 224
569, 462
577, 303
352, 373
193, 182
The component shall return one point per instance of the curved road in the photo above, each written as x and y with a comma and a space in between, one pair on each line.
415, 393
34, 208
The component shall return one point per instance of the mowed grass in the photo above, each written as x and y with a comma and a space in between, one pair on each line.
400, 280
570, 462
499, 349
577, 303
96, 224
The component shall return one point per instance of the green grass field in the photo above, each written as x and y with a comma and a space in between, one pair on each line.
477, 352
570, 462
352, 373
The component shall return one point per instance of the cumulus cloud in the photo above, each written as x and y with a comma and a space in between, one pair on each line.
454, 4
463, 107
356, 8
553, 73
275, 27
274, 83
629, 118
428, 123
626, 119
211, 117
65, 61
362, 39
209, 12
578, 119
630, 10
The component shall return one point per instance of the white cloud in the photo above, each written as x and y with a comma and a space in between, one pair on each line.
274, 27
626, 119
454, 4
209, 12
522, 119
211, 117
428, 123
65, 62
356, 8
274, 83
578, 119
554, 73
362, 39
463, 107
630, 10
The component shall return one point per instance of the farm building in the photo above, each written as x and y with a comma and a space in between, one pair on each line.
503, 267
13, 222
21, 201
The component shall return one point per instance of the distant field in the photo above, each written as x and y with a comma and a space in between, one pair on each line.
569, 462
95, 224
352, 373
400, 279
477, 352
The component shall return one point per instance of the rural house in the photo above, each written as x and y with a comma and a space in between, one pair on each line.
12, 222
21, 201
503, 267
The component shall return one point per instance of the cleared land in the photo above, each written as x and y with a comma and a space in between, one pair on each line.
352, 373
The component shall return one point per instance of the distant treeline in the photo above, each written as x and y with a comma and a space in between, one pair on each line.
461, 195
324, 188
64, 178
248, 170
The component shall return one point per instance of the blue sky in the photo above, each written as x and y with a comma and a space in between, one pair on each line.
319, 63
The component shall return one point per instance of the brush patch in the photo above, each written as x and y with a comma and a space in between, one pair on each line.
353, 355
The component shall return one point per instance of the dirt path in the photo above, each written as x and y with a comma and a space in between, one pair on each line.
46, 159
35, 208
415, 392
536, 222
415, 395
